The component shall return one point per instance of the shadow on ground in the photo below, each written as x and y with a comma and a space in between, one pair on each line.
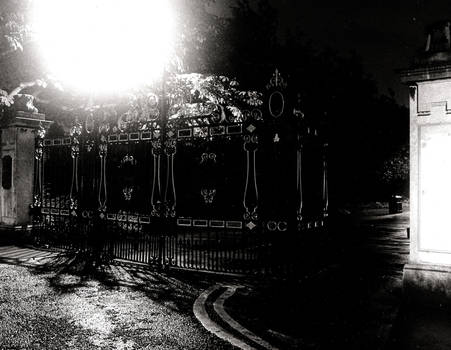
419, 327
345, 297
67, 272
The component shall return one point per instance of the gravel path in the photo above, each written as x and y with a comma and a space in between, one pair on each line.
117, 309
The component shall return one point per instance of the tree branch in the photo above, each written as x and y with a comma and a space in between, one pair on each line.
17, 90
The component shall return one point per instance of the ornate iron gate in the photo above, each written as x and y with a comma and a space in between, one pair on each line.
210, 190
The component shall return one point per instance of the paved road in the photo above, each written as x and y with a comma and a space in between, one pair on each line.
384, 241
349, 302
11, 254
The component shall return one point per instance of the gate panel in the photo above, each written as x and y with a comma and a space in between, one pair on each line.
205, 190
209, 175
55, 224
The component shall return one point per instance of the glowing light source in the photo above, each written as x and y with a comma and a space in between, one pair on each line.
104, 45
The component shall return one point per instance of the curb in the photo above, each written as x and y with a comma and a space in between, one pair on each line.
201, 314
218, 306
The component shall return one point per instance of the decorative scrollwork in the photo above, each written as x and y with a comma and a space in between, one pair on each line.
36, 201
127, 192
156, 147
235, 115
257, 114
103, 149
154, 113
86, 214
122, 122
156, 211
250, 142
250, 215
40, 132
129, 160
208, 195
217, 113
73, 204
201, 132
207, 108
89, 144
104, 126
152, 100
170, 198
148, 108
102, 195
170, 146
75, 130
281, 226
170, 211
297, 112
89, 123
75, 149
276, 81
250, 198
75, 153
155, 197
208, 156
38, 153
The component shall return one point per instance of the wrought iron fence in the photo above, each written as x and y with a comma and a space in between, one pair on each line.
208, 190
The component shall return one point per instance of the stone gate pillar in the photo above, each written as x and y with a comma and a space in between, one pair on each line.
427, 277
17, 167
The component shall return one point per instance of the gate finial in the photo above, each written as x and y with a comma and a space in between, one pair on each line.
276, 81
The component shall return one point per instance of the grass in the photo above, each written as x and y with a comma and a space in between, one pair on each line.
115, 308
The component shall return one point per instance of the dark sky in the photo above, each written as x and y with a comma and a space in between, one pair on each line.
385, 33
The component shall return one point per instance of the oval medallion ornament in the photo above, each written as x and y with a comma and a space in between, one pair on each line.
152, 100
89, 123
276, 104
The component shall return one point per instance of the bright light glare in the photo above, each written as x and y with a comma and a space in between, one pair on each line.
104, 45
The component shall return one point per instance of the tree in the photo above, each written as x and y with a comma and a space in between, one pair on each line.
200, 34
363, 128
20, 69
395, 172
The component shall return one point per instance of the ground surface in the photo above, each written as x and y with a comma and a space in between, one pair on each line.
351, 301
119, 308
420, 328
347, 297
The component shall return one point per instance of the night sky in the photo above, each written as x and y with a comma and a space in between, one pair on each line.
386, 34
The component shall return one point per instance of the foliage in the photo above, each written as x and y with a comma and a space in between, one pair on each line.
20, 69
209, 90
199, 34
14, 30
363, 127
199, 46
395, 170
